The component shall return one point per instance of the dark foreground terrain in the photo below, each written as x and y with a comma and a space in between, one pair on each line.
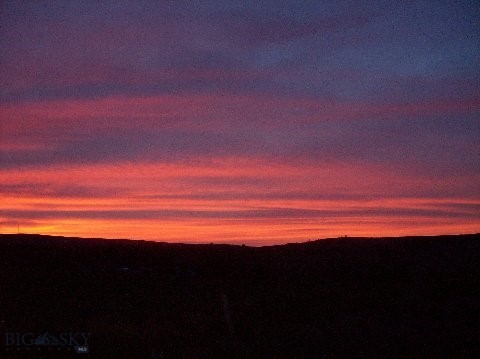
340, 298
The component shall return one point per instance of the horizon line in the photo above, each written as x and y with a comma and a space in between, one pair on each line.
238, 244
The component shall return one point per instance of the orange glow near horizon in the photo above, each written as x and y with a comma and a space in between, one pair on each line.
234, 200
244, 231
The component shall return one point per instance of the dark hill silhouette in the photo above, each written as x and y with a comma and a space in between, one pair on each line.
333, 298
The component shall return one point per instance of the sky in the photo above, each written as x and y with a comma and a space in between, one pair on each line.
255, 122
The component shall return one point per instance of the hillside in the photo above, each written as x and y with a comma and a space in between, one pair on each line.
348, 297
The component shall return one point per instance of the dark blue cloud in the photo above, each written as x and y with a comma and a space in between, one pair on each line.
344, 49
270, 213
435, 146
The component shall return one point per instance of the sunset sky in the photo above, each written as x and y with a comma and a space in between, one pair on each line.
256, 122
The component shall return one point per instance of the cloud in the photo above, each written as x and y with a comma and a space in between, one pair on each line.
383, 52
433, 139
270, 213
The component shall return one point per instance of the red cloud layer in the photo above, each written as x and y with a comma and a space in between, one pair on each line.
215, 201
